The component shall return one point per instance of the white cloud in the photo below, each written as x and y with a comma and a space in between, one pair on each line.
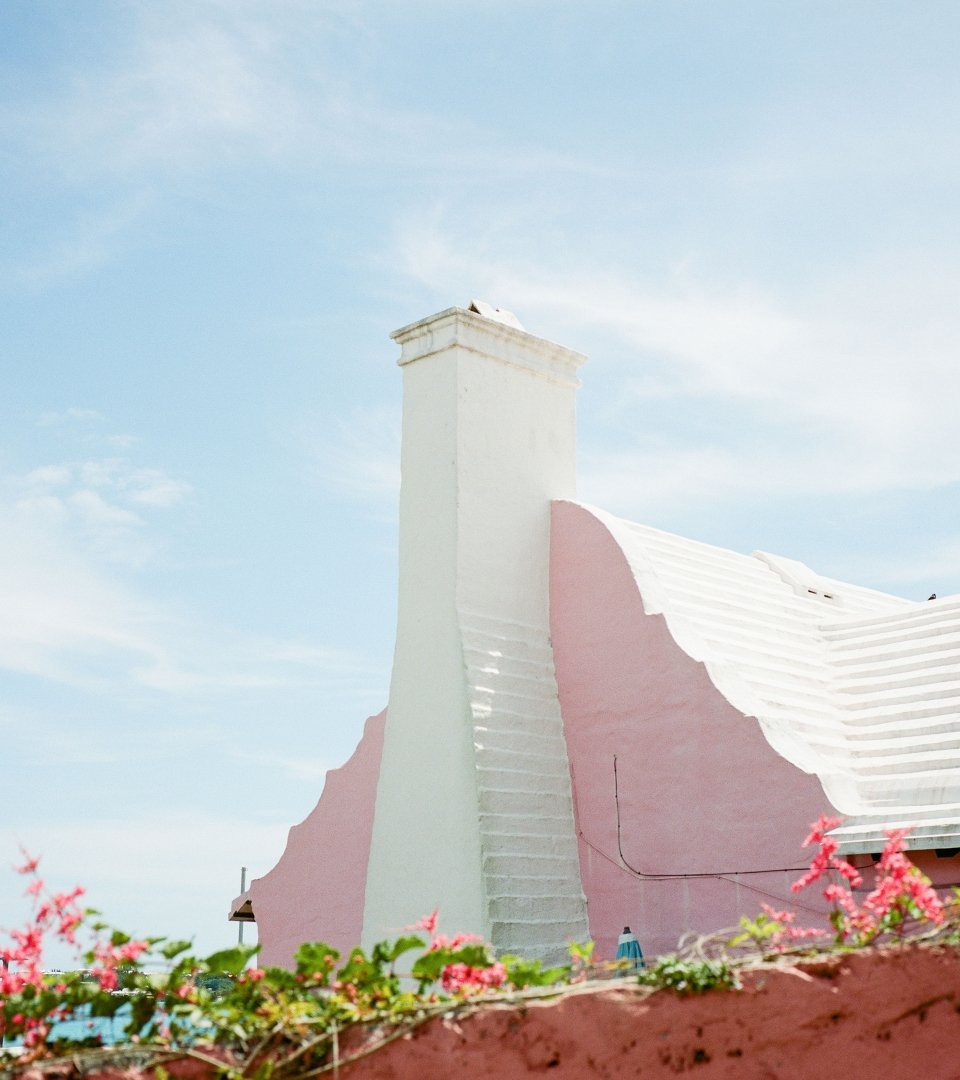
321, 657
72, 538
48, 476
172, 872
61, 617
122, 442
100, 501
850, 386
66, 619
295, 767
360, 455
95, 510
925, 567
50, 418
204, 85
84, 245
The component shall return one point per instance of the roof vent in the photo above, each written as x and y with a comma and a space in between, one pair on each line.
800, 578
500, 315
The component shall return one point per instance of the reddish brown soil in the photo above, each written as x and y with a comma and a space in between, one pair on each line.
887, 1015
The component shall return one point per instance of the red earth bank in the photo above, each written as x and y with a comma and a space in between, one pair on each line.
888, 1014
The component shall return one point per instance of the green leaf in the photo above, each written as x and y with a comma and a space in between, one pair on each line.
582, 952
316, 957
231, 961
358, 969
174, 948
142, 1008
104, 1004
522, 973
429, 966
386, 953
477, 955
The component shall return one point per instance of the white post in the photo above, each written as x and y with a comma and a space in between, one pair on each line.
243, 889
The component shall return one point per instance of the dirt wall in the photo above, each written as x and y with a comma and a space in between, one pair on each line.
892, 1014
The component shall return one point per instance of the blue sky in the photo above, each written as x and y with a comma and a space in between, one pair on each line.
215, 212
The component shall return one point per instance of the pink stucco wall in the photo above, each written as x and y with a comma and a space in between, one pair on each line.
702, 793
316, 890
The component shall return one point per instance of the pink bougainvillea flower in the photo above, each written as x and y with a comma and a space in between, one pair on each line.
132, 950
29, 866
462, 978
778, 916
106, 977
819, 829
428, 922
901, 892
441, 941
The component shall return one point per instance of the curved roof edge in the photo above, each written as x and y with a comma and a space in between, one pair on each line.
856, 686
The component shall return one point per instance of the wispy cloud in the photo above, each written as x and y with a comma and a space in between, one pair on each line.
85, 244
848, 386
925, 567
205, 84
299, 768
185, 92
101, 500
48, 419
73, 538
174, 855
360, 456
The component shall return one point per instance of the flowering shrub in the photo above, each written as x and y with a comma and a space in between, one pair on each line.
248, 1021
901, 892
31, 1002
284, 1020
901, 895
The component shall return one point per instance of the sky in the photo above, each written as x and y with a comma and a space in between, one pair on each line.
212, 215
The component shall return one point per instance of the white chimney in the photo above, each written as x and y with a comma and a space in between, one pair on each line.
473, 809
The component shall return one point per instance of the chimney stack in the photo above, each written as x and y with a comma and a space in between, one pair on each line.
473, 810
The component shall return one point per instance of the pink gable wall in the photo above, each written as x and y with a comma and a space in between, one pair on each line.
316, 890
701, 790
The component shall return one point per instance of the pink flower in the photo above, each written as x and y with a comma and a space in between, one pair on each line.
819, 829
900, 892
428, 922
441, 941
462, 978
778, 916
28, 867
132, 950
106, 976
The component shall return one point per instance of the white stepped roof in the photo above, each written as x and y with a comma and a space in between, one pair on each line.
854, 685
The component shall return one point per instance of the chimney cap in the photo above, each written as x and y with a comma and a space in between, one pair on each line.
500, 315
493, 338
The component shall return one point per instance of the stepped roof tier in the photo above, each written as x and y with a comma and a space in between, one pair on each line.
854, 685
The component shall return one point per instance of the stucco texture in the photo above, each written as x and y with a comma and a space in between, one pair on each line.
702, 795
316, 890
